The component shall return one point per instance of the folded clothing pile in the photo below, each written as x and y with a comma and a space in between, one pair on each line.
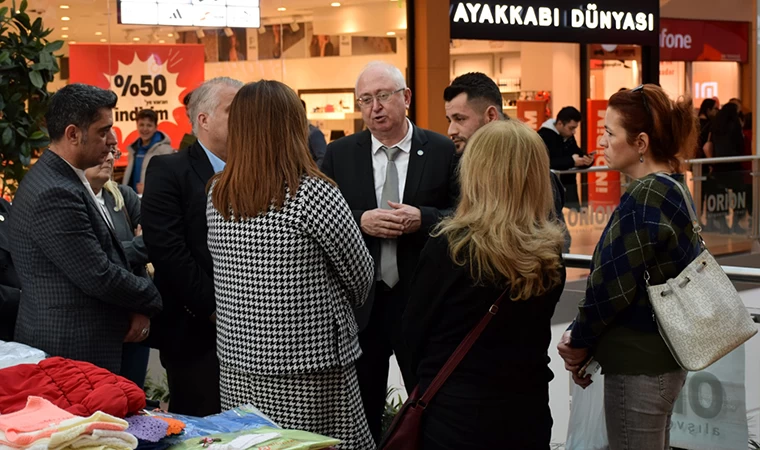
244, 417
78, 387
152, 431
41, 425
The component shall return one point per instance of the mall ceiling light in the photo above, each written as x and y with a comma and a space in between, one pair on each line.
135, 38
72, 42
161, 41
334, 4
98, 33
391, 33
64, 36
281, 9
228, 32
104, 40
64, 6
64, 28
295, 27
170, 34
65, 18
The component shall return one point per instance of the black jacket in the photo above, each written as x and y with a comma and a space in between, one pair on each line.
10, 286
507, 365
175, 234
561, 151
431, 186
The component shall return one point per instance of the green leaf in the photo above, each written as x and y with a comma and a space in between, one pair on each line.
36, 79
23, 6
53, 46
37, 135
3, 12
7, 136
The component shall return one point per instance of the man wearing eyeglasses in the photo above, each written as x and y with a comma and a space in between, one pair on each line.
399, 181
77, 287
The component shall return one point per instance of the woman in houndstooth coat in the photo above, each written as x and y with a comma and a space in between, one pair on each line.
289, 266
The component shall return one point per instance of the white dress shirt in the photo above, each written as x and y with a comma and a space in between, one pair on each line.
86, 183
380, 164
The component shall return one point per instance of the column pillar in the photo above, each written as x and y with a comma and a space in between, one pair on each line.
429, 57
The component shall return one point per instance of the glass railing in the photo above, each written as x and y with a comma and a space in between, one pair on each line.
726, 193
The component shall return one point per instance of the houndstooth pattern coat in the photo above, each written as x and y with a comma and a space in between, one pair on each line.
286, 282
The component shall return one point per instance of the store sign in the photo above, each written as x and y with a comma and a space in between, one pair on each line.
531, 112
202, 13
144, 77
603, 187
698, 40
614, 21
711, 412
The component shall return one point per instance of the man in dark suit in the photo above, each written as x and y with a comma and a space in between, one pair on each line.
175, 234
399, 181
79, 298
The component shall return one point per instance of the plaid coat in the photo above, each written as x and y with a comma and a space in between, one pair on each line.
77, 287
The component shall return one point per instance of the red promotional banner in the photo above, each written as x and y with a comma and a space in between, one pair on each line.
603, 187
144, 77
700, 40
531, 112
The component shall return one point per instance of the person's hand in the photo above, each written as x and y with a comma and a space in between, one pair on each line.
573, 357
581, 161
139, 328
582, 382
411, 216
138, 230
140, 187
382, 223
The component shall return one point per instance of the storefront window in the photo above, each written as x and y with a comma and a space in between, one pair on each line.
316, 47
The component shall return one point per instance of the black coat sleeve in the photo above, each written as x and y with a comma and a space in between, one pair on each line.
164, 232
137, 253
424, 302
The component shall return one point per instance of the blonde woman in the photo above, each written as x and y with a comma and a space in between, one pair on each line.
122, 207
502, 236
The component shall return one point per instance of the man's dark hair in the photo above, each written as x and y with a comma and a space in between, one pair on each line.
148, 114
79, 105
477, 86
568, 114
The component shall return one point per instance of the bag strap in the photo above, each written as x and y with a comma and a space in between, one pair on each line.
460, 353
692, 214
689, 203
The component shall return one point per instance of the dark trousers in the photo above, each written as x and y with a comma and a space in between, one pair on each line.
193, 383
379, 340
134, 362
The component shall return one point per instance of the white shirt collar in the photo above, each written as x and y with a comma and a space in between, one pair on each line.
405, 144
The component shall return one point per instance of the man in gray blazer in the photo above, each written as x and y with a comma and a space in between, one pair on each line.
79, 298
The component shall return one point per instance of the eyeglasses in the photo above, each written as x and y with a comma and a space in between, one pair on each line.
382, 97
116, 153
640, 88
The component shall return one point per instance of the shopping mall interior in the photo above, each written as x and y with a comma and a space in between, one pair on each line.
152, 55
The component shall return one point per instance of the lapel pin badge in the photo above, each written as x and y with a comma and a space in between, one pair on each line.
2, 218
420, 152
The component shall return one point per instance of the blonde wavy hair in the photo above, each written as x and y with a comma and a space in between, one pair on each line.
112, 187
505, 227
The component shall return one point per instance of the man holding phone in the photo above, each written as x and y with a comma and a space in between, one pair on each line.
559, 136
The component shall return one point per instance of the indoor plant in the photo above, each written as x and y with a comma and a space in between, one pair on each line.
27, 64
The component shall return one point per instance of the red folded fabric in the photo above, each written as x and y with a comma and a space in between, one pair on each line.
78, 387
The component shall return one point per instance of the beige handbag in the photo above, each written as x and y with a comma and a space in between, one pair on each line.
699, 313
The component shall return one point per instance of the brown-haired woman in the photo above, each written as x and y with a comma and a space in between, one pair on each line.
646, 134
503, 235
289, 264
